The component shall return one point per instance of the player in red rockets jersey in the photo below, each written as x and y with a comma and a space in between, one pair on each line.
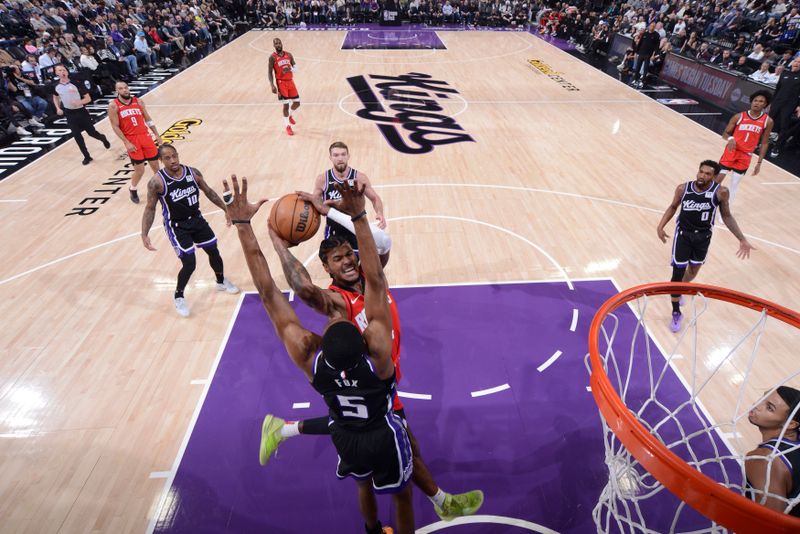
744, 132
281, 79
132, 124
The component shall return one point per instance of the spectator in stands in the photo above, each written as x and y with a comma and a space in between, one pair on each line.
645, 49
742, 67
22, 89
762, 75
716, 55
174, 37
143, 51
691, 46
776, 75
87, 60
155, 42
757, 54
727, 61
50, 59
127, 60
779, 9
31, 69
740, 48
785, 59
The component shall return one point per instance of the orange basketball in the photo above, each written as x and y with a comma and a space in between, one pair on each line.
294, 220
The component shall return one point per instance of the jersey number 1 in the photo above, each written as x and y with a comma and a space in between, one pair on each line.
355, 408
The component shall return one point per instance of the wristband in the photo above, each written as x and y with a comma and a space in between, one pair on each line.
150, 123
357, 217
241, 221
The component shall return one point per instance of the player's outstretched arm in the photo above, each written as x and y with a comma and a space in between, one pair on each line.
154, 189
211, 194
379, 332
769, 477
300, 343
148, 120
723, 195
314, 297
373, 197
669, 213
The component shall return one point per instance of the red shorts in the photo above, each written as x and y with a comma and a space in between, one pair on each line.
736, 160
146, 149
286, 90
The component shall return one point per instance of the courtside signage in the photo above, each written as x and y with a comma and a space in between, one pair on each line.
415, 122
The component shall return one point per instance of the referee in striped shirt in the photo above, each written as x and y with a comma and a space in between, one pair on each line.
70, 99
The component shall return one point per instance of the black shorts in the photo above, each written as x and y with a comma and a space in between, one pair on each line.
690, 246
382, 452
184, 235
334, 229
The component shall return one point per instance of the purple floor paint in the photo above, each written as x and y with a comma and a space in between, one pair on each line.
392, 40
536, 448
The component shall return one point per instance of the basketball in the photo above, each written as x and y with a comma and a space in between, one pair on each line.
293, 219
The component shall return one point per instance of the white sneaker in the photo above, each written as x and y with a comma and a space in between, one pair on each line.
227, 287
36, 123
181, 307
22, 131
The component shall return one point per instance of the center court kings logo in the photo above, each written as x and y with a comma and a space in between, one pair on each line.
415, 121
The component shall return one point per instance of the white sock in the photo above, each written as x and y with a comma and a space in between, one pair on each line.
734, 185
286, 121
290, 111
438, 499
290, 429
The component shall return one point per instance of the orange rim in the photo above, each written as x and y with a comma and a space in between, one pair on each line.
716, 502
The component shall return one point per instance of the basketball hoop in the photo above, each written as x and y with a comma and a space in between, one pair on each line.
660, 439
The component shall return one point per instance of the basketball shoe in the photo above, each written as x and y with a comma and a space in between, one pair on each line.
289, 130
270, 437
134, 195
181, 307
227, 286
459, 505
291, 120
677, 319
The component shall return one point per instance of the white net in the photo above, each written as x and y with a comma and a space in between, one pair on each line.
695, 398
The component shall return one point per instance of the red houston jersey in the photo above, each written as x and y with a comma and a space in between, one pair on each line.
356, 315
131, 118
747, 132
282, 66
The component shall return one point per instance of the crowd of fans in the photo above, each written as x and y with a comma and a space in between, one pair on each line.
755, 38
98, 43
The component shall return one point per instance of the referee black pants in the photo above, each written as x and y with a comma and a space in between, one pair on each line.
79, 121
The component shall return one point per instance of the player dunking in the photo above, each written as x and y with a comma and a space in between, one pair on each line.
344, 298
283, 65
744, 132
130, 121
177, 187
354, 374
325, 188
698, 201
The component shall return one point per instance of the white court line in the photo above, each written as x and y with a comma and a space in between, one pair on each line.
419, 396
588, 388
550, 361
165, 490
780, 183
199, 382
299, 405
476, 102
13, 200
687, 114
486, 519
494, 226
160, 474
574, 320
484, 392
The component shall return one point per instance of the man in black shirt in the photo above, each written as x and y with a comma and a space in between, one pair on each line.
647, 46
785, 103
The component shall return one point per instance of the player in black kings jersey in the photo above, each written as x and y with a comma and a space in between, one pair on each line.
698, 202
341, 173
177, 187
773, 468
354, 374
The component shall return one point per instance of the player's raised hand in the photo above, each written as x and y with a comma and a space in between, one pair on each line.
236, 204
662, 235
277, 240
744, 249
315, 201
352, 201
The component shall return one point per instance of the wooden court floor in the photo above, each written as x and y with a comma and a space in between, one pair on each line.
99, 377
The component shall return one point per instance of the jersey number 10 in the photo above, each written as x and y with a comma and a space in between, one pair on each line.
192, 200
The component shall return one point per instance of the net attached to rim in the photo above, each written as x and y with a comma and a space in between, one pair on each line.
675, 421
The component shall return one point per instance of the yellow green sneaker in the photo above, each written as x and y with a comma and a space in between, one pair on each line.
460, 505
270, 437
